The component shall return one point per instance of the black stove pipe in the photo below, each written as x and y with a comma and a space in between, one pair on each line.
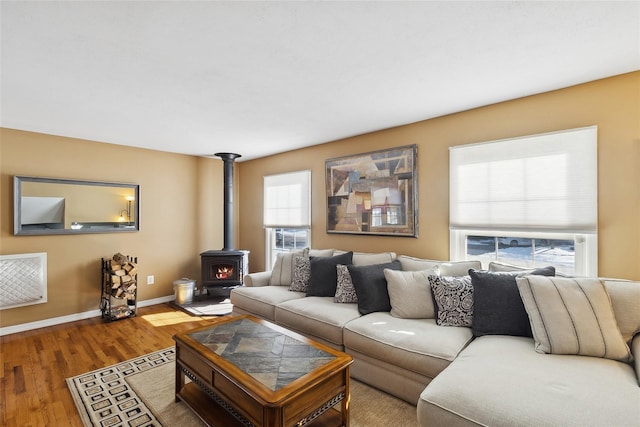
228, 159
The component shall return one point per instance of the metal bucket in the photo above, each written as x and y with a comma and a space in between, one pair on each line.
183, 289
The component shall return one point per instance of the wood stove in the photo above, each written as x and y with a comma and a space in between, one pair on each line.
223, 270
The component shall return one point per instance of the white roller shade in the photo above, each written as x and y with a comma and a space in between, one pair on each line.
544, 182
287, 202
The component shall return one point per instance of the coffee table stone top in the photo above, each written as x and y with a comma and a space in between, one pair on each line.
269, 356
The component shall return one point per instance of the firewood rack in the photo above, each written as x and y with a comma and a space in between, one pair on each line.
119, 288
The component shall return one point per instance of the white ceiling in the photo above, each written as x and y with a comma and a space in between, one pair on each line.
258, 78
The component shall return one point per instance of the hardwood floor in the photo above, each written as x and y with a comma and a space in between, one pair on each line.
35, 364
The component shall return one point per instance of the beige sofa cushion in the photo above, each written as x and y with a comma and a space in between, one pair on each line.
317, 317
445, 268
322, 252
366, 258
500, 381
418, 345
261, 301
410, 263
501, 267
361, 258
625, 300
410, 294
572, 316
458, 268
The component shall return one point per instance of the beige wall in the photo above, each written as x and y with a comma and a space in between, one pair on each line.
180, 216
181, 196
612, 104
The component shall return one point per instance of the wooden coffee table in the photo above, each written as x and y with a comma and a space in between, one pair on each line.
245, 371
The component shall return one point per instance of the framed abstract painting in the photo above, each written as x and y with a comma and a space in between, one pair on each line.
373, 193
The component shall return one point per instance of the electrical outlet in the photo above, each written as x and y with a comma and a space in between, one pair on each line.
150, 280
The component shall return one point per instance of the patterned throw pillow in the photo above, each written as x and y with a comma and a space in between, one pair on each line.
454, 298
345, 292
301, 274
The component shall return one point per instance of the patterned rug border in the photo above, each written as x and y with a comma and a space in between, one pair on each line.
104, 398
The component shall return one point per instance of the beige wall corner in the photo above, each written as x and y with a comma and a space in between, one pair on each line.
613, 104
178, 195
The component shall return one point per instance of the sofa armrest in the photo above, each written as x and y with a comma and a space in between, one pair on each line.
257, 279
635, 350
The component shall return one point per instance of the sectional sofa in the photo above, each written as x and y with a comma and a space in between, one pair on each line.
468, 347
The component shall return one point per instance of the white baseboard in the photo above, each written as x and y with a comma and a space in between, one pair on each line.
73, 317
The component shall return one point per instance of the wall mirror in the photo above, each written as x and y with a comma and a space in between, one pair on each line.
64, 206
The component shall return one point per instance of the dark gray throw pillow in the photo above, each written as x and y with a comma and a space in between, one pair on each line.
371, 286
324, 274
497, 306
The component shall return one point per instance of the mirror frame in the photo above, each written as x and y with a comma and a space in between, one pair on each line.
17, 207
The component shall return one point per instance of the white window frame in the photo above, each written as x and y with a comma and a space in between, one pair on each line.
586, 246
270, 242
294, 213
462, 224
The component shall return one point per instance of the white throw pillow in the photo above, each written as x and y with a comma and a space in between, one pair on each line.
410, 293
282, 272
572, 316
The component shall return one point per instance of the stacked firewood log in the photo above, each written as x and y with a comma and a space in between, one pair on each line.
123, 277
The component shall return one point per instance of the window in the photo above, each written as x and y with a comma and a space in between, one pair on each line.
528, 201
287, 212
525, 251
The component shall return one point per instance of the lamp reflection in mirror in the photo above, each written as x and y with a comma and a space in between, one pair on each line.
127, 211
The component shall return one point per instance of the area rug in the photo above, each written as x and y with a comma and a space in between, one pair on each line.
210, 307
140, 392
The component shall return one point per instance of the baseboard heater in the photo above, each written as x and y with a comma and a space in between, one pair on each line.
23, 280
